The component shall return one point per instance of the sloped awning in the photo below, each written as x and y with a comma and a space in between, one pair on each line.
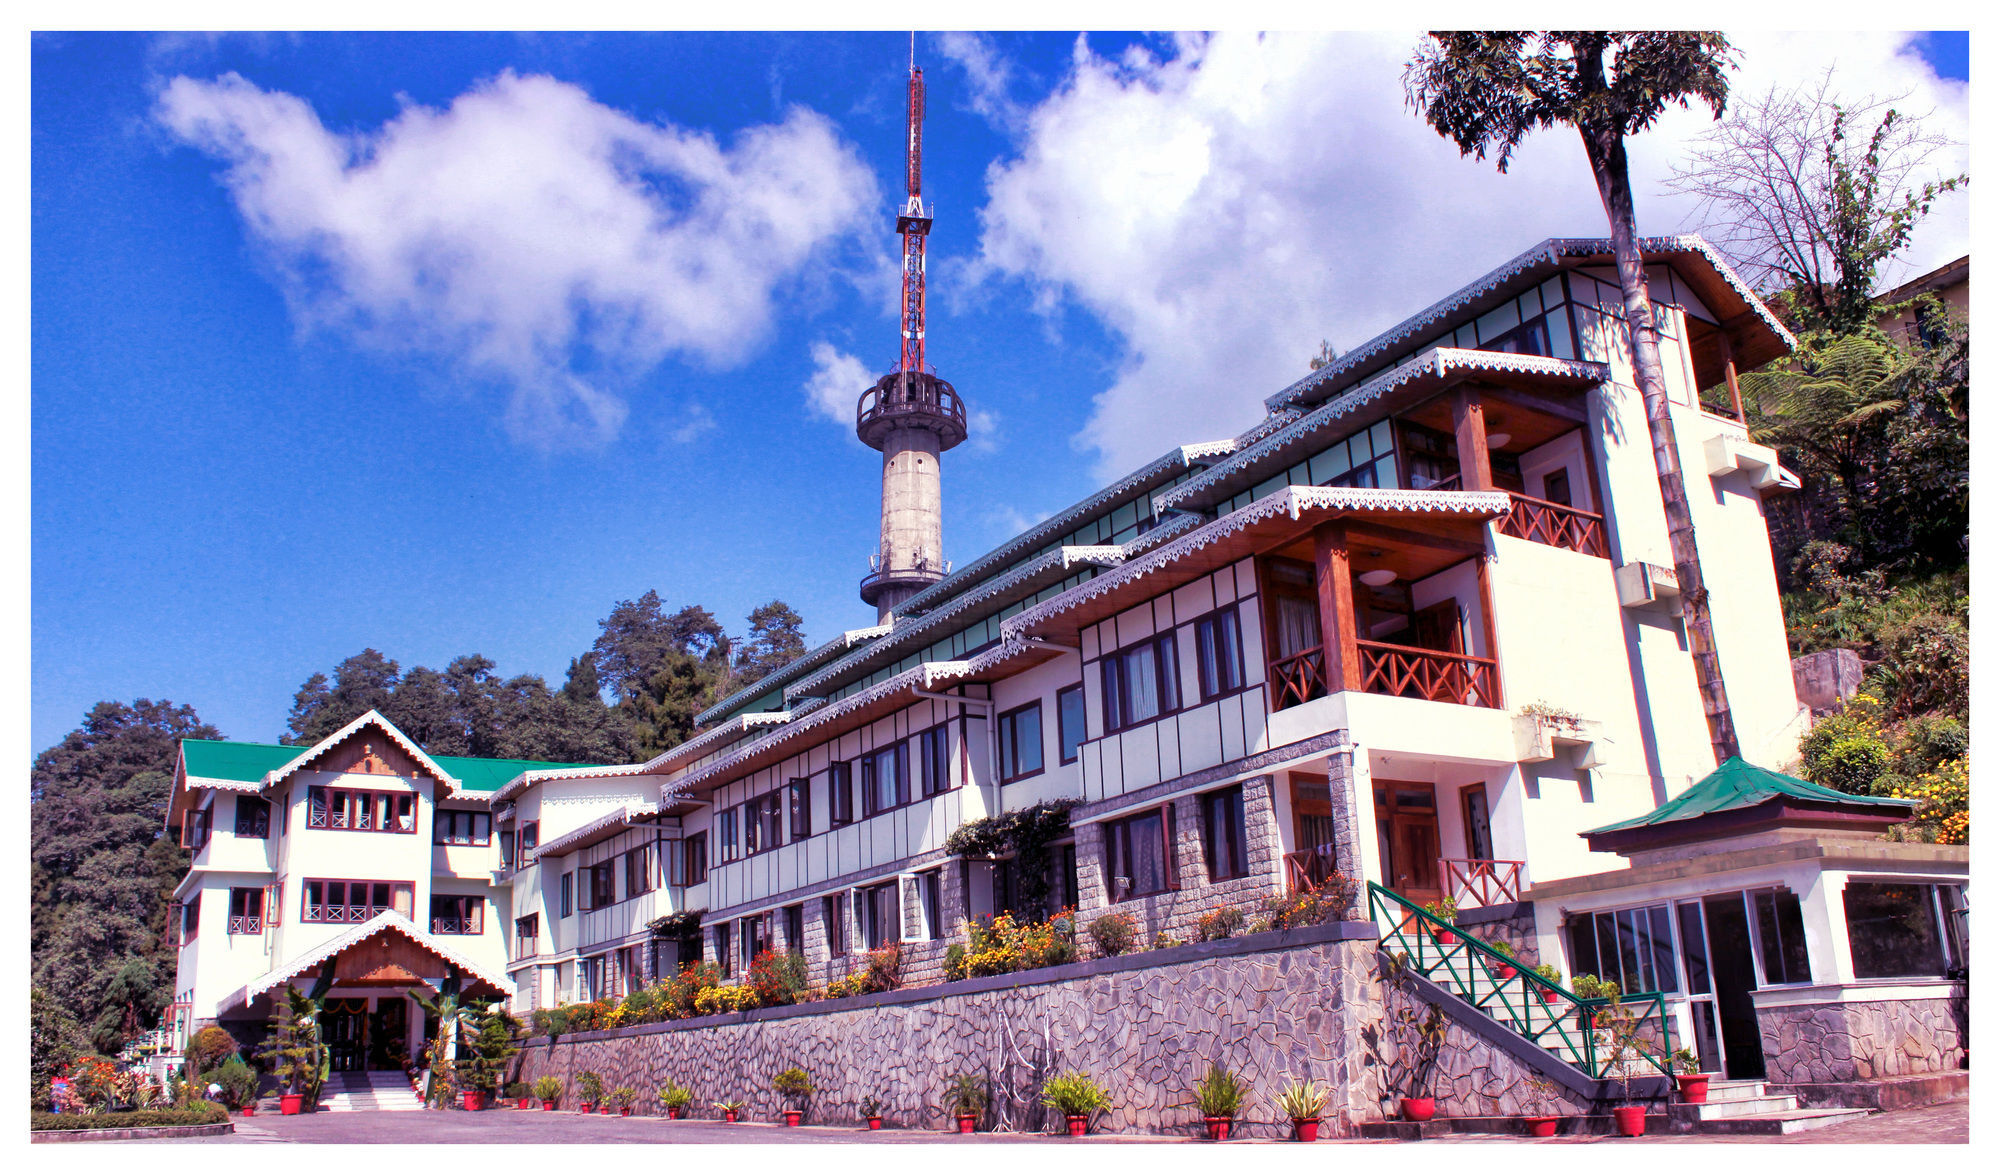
379, 953
1740, 797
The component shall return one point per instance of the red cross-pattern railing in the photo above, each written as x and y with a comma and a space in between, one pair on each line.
454, 924
1298, 678
1473, 882
246, 924
1309, 868
338, 913
1554, 524
1407, 672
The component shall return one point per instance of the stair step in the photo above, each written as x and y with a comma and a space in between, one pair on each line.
1790, 1122
1711, 1111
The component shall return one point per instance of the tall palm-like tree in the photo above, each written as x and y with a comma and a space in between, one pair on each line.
456, 1019
1487, 92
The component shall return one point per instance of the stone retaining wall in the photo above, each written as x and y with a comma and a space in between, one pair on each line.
1819, 1043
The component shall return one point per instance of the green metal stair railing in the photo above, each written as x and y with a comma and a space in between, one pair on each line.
1521, 1001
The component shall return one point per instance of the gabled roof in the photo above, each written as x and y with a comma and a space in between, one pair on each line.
386, 920
1738, 787
371, 718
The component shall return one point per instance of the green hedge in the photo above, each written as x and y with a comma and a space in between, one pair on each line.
198, 1114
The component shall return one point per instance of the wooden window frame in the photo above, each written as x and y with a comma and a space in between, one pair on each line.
243, 920
1082, 721
840, 793
1210, 688
531, 835
370, 907
1007, 729
470, 912
728, 841
798, 808
567, 896
694, 858
725, 958
930, 897
253, 818
833, 924
195, 829
870, 778
191, 918
933, 753
603, 879
445, 820
527, 936
1239, 833
1166, 677
360, 809
1118, 853
794, 917
638, 870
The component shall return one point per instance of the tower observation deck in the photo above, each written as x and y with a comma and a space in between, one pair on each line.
910, 416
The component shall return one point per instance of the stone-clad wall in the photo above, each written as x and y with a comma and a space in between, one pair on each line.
1272, 1006
1857, 1041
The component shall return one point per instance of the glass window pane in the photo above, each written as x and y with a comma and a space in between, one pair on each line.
1892, 930
1069, 721
1146, 869
1607, 948
1170, 673
1028, 740
1143, 683
1666, 977
1694, 947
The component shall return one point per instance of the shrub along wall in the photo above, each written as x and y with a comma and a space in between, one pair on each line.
1271, 1006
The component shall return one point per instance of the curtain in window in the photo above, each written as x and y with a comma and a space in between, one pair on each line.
1298, 626
1142, 683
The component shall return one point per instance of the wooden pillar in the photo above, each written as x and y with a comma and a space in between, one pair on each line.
1468, 417
1487, 627
1335, 575
1729, 376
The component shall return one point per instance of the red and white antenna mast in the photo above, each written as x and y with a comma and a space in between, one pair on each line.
915, 225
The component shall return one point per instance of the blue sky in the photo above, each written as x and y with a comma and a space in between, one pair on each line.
444, 343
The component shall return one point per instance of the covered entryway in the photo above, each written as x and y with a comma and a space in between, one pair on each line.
1406, 819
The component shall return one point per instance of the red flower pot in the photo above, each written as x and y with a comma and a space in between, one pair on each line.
1504, 972
729, 1115
1631, 1120
291, 1103
249, 1111
1550, 995
1218, 1129
1419, 1109
673, 1112
874, 1121
1307, 1129
548, 1105
1445, 938
1542, 1125
624, 1111
1078, 1123
792, 1117
604, 1110
1694, 1087
475, 1099
521, 1104
588, 1107
967, 1123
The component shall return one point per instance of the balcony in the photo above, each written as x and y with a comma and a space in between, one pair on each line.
246, 924
910, 399
1308, 868
1556, 525
1404, 672
1474, 882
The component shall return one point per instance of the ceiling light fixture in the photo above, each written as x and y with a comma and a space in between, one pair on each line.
1495, 440
1380, 577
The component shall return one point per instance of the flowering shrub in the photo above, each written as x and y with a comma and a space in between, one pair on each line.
1942, 797
1115, 933
884, 972
93, 1081
1003, 945
1329, 901
778, 977
1218, 924
714, 1001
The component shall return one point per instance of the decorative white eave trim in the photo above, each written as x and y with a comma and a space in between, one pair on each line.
622, 818
245, 785
1550, 253
386, 920
375, 719
1292, 502
1435, 363
701, 744
915, 630
792, 669
1171, 527
927, 676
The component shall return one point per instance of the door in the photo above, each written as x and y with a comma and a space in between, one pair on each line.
1407, 823
347, 1034
1311, 861
1735, 979
1438, 628
388, 1033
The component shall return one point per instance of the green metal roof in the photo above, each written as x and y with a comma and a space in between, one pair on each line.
1737, 784
250, 762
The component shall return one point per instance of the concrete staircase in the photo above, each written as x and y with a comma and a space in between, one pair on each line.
368, 1091
1748, 1107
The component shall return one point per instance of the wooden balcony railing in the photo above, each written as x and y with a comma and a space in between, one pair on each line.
457, 924
328, 912
1474, 882
1308, 868
1298, 678
1406, 672
246, 924
1556, 525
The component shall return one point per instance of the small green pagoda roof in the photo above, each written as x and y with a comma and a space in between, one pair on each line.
1737, 784
251, 762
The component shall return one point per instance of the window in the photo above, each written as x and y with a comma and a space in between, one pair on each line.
353, 810
191, 917
1219, 651
798, 797
725, 834
507, 849
695, 860
1069, 721
456, 827
930, 892
1141, 683
1138, 855
723, 958
568, 894
833, 924
934, 759
638, 870
253, 817
840, 793
531, 835
1633, 948
246, 911
885, 780
1223, 839
527, 931
1894, 928
1021, 742
194, 830
353, 901
756, 937
1530, 338
1478, 823
1063, 862
770, 820
795, 929
458, 914
1781, 932
881, 914
599, 883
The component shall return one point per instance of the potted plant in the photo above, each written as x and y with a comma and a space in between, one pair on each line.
548, 1090
730, 1109
1076, 1097
871, 1112
623, 1097
676, 1098
294, 1052
965, 1095
239, 1085
1218, 1097
589, 1088
1541, 1096
1688, 1075
795, 1086
1303, 1102
1620, 1062
1444, 910
1550, 972
1502, 971
518, 1091
1425, 1038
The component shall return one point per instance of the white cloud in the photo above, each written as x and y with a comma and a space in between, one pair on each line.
532, 235
988, 76
836, 384
696, 423
1224, 209
982, 429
